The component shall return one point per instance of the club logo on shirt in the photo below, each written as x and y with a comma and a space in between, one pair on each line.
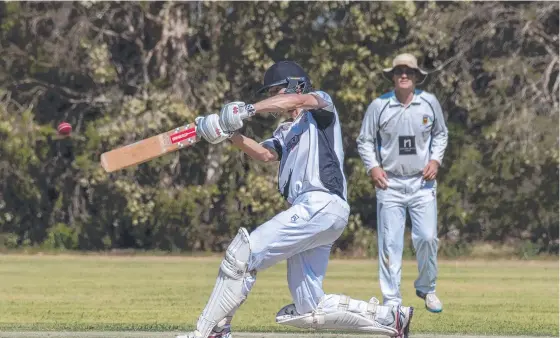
292, 143
425, 119
407, 145
285, 126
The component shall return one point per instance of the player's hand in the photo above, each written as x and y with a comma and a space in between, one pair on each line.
209, 128
431, 170
380, 178
232, 115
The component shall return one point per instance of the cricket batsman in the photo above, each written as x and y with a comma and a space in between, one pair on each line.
402, 142
310, 153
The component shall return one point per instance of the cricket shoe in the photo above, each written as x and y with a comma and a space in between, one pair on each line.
398, 319
223, 332
192, 334
433, 304
403, 320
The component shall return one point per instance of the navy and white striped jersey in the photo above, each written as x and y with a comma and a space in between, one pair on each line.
402, 139
310, 153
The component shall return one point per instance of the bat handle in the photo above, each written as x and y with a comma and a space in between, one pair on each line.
196, 120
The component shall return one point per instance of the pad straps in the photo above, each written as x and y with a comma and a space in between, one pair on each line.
372, 309
344, 303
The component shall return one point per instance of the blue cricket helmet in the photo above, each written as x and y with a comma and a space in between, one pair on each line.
287, 74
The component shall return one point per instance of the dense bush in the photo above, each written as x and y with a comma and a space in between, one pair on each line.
122, 71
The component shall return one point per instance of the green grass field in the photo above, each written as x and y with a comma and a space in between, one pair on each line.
62, 292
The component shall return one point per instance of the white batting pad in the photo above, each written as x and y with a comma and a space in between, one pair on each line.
228, 293
338, 318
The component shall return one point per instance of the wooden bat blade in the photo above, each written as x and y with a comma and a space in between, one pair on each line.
149, 148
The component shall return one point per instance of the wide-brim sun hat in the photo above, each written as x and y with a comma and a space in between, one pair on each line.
408, 60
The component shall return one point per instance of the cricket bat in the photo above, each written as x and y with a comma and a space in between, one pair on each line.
149, 148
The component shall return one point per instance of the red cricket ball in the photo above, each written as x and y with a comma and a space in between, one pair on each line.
64, 128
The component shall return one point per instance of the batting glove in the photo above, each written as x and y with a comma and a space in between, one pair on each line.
233, 114
209, 128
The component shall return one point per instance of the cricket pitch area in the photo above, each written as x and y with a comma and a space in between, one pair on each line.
235, 334
103, 296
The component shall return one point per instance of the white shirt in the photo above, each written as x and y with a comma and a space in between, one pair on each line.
402, 139
310, 153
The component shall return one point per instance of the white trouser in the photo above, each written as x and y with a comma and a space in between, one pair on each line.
419, 197
303, 235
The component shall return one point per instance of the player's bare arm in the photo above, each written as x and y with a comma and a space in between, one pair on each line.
288, 102
253, 148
